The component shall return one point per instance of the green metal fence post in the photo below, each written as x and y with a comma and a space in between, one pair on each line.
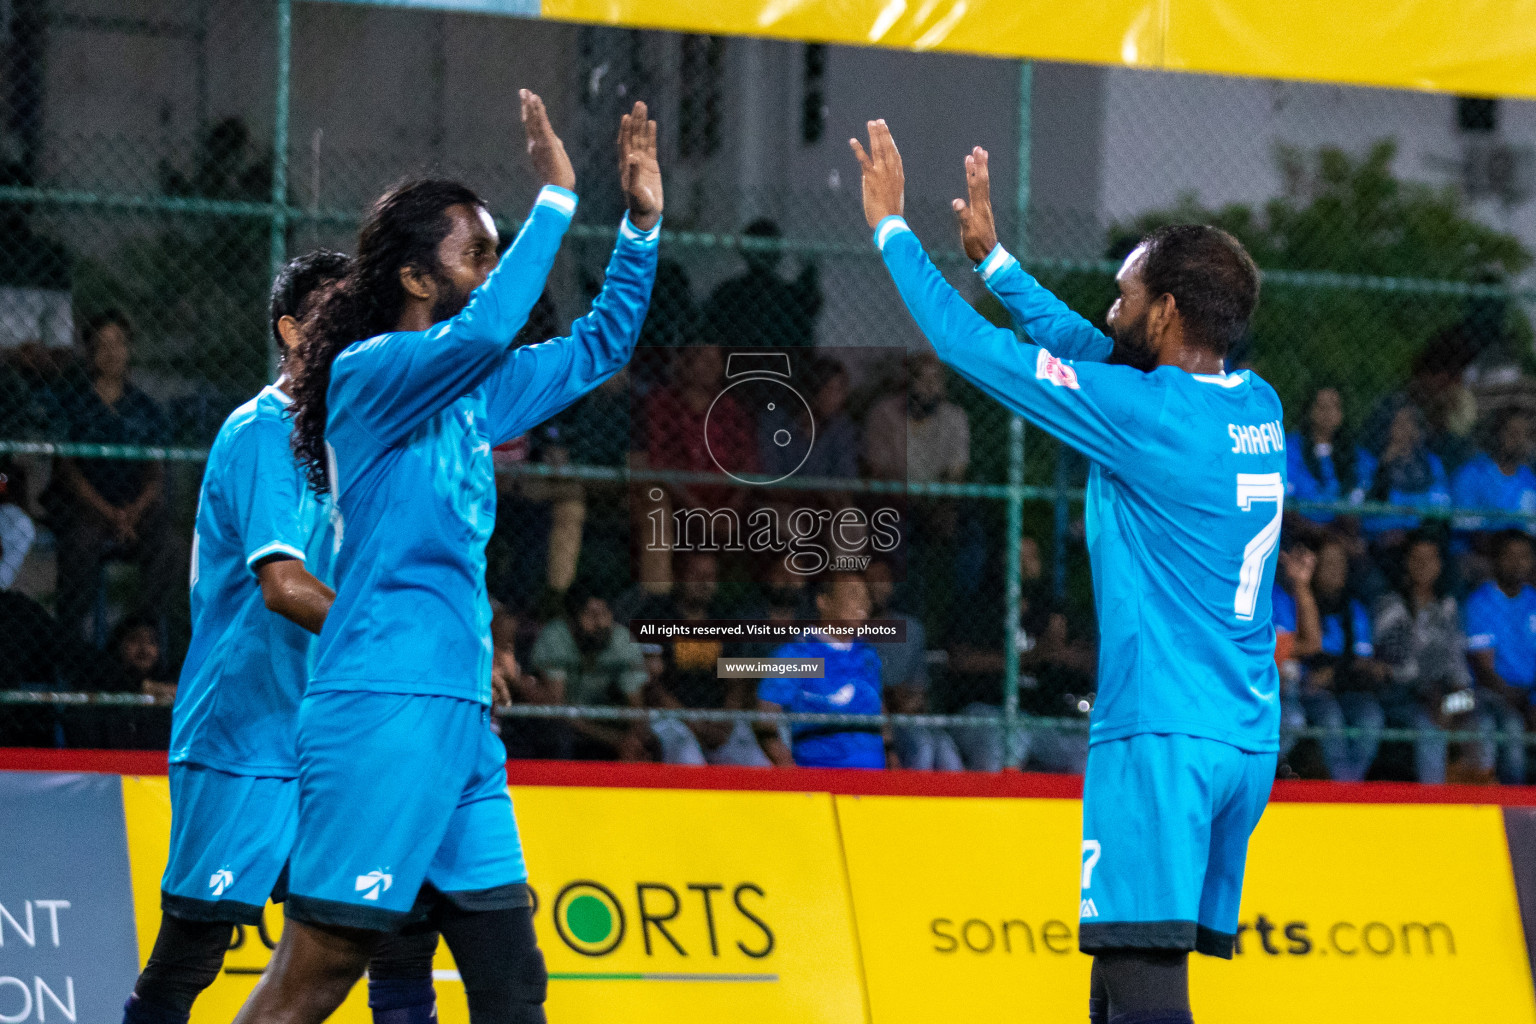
1015, 529
278, 252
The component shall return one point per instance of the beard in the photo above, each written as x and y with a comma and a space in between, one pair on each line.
450, 300
1132, 346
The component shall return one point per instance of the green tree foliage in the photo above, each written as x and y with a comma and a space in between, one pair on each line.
1350, 215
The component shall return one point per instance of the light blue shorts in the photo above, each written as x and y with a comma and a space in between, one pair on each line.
401, 795
230, 840
1166, 821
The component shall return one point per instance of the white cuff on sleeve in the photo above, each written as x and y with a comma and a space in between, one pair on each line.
562, 200
889, 228
277, 547
998, 260
628, 230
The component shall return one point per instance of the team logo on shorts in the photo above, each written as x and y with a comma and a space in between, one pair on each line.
221, 880
373, 883
1087, 910
589, 918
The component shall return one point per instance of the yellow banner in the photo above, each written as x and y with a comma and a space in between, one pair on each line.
663, 906
967, 910
1484, 47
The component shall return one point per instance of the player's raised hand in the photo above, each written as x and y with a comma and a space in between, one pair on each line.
544, 147
885, 183
639, 171
978, 231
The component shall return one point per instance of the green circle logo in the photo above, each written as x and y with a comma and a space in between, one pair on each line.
588, 918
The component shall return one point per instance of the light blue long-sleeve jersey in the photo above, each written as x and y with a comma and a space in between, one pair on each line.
238, 698
1184, 500
412, 418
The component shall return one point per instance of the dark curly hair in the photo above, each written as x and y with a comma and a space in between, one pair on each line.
299, 279
403, 229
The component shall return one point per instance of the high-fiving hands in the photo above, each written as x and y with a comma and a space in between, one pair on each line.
544, 147
978, 231
884, 181
639, 172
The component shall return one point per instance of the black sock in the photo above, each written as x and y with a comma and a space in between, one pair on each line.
137, 1011
1098, 996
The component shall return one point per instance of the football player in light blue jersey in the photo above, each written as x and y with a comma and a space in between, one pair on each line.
258, 598
411, 378
1183, 519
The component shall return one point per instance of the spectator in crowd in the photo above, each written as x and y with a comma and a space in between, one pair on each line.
1341, 680
107, 508
672, 322
131, 663
760, 307
1501, 627
29, 409
1322, 463
675, 419
1293, 573
919, 436
594, 662
1405, 473
850, 685
1057, 665
34, 654
17, 531
1435, 388
526, 738
835, 453
691, 678
1418, 633
1501, 479
922, 437
589, 533
904, 680
678, 740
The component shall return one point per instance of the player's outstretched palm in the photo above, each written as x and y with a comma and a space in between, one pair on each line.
639, 171
885, 182
978, 231
544, 147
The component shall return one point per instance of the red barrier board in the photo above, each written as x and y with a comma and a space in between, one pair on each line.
845, 782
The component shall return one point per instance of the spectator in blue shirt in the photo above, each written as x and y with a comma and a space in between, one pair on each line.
110, 508
850, 685
1322, 463
1405, 473
1501, 479
1341, 681
1501, 625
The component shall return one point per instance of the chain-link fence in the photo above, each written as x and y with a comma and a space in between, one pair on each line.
162, 158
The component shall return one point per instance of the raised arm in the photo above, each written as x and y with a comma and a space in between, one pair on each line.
1093, 407
395, 381
1047, 320
536, 381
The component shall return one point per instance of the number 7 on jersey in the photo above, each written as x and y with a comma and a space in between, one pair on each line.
1251, 488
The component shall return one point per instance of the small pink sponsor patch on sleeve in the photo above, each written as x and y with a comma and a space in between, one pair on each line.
1048, 367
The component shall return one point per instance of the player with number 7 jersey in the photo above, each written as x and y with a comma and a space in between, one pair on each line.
1183, 519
